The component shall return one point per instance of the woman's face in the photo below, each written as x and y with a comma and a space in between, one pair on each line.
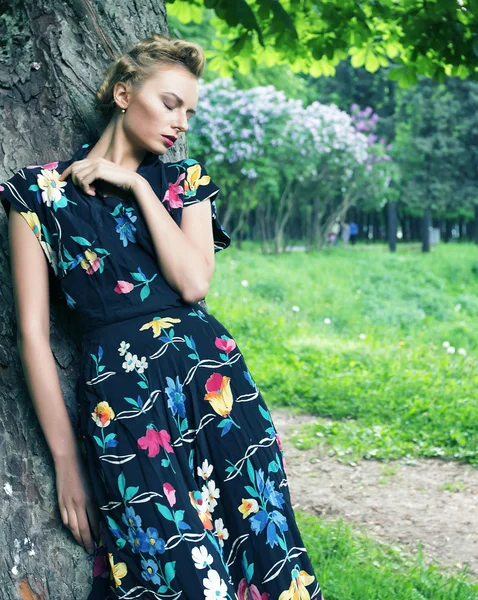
160, 107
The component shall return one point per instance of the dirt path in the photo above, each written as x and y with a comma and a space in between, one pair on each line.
396, 502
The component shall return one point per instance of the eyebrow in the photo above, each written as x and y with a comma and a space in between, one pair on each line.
180, 102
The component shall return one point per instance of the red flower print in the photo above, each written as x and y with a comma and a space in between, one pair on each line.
172, 196
226, 345
100, 565
213, 384
170, 493
154, 440
124, 287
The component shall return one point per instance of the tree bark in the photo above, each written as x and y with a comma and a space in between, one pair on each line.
426, 224
55, 58
392, 225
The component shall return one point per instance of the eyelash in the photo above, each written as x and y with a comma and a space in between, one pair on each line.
169, 108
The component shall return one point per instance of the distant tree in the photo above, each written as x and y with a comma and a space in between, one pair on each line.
417, 37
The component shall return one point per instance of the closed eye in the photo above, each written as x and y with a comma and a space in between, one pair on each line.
168, 107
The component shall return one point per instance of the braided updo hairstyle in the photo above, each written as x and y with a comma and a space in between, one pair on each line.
142, 60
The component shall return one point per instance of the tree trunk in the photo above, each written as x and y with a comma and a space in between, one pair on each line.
392, 225
426, 224
55, 60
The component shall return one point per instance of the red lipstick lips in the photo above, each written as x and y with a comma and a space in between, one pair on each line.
169, 139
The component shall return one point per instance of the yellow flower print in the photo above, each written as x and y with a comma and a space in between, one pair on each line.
91, 262
297, 590
248, 506
118, 570
219, 394
50, 185
193, 181
32, 219
103, 414
158, 324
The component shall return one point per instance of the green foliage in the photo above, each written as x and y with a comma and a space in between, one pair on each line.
435, 39
396, 393
349, 565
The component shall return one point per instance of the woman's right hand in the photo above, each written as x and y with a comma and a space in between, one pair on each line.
78, 511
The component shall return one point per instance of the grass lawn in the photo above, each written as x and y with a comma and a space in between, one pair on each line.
376, 375
351, 566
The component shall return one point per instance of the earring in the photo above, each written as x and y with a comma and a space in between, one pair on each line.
123, 110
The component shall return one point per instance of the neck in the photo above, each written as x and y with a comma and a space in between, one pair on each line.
114, 146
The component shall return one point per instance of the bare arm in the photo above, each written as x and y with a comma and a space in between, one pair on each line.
185, 254
31, 293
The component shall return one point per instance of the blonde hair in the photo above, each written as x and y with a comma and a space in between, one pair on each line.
141, 61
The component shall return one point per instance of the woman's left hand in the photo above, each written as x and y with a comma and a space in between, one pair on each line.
84, 172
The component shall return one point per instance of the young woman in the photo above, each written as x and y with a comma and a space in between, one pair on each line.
183, 488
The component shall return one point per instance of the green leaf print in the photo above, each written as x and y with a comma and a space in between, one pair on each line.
164, 510
250, 471
170, 571
121, 483
145, 291
80, 240
131, 492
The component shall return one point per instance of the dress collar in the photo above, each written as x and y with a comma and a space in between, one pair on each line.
151, 168
148, 161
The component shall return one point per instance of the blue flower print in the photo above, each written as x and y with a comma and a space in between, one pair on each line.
130, 518
270, 493
150, 572
155, 543
138, 540
125, 219
176, 397
259, 521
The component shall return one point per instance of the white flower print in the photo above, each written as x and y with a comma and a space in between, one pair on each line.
212, 492
215, 587
221, 531
206, 469
123, 348
130, 362
50, 185
201, 557
142, 364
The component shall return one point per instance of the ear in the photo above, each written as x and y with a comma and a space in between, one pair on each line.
121, 94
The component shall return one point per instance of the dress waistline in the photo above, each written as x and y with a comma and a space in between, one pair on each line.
92, 330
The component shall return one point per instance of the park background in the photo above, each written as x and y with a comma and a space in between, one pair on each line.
374, 344
309, 114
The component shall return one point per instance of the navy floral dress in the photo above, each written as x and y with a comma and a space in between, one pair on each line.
186, 464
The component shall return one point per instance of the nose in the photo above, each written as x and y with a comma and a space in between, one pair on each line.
181, 122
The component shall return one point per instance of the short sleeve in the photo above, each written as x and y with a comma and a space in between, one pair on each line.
196, 186
23, 194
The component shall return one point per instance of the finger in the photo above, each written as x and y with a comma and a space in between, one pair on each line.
94, 520
83, 178
73, 525
84, 529
65, 173
64, 515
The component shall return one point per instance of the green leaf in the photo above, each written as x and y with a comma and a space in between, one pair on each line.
99, 441
265, 413
80, 240
178, 515
251, 491
170, 571
250, 471
131, 492
145, 291
143, 384
121, 483
137, 276
371, 62
132, 401
164, 510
